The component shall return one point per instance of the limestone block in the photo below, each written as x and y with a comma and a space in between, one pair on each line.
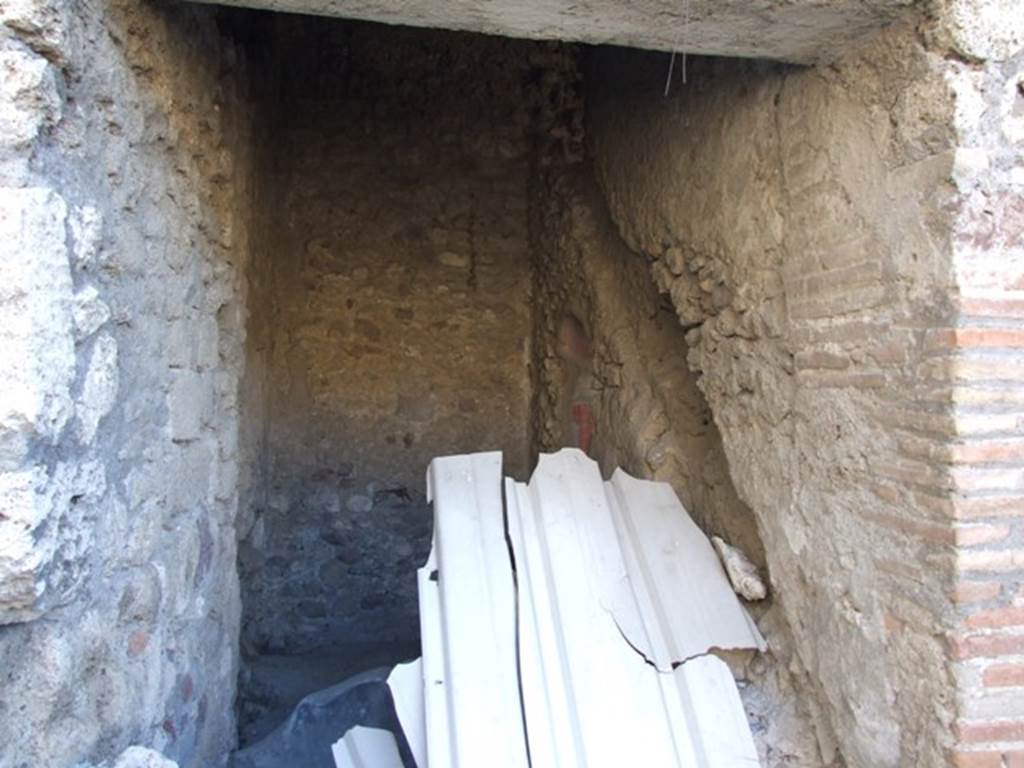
19, 558
89, 311
189, 403
40, 23
194, 343
206, 345
86, 225
37, 355
984, 29
180, 343
99, 390
193, 469
28, 97
45, 534
140, 757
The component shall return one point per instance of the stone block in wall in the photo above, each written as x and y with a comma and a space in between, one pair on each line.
20, 559
86, 226
99, 390
982, 29
138, 757
45, 506
193, 343
37, 366
46, 522
42, 24
189, 403
90, 313
29, 102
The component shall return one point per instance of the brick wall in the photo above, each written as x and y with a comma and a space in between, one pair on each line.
796, 221
845, 245
982, 358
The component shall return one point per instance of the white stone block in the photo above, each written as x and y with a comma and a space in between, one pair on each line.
37, 351
742, 573
188, 403
192, 470
86, 233
42, 24
20, 560
100, 388
179, 343
142, 757
985, 29
29, 100
45, 534
89, 312
207, 353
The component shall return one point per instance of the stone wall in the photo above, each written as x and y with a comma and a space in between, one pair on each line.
840, 246
612, 378
799, 222
398, 280
124, 207
611, 362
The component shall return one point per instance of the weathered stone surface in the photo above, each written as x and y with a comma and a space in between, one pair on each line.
46, 531
99, 390
42, 24
841, 248
35, 324
984, 30
117, 580
139, 757
806, 30
395, 316
86, 229
89, 311
20, 560
29, 104
188, 404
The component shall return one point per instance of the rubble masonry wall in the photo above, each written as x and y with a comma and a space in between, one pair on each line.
124, 207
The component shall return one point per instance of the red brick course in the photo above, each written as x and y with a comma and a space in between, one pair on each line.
994, 730
989, 759
1003, 675
976, 591
997, 618
987, 646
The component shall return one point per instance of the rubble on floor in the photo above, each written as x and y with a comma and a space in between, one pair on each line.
272, 686
307, 736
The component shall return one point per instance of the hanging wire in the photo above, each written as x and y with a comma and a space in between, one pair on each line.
684, 38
